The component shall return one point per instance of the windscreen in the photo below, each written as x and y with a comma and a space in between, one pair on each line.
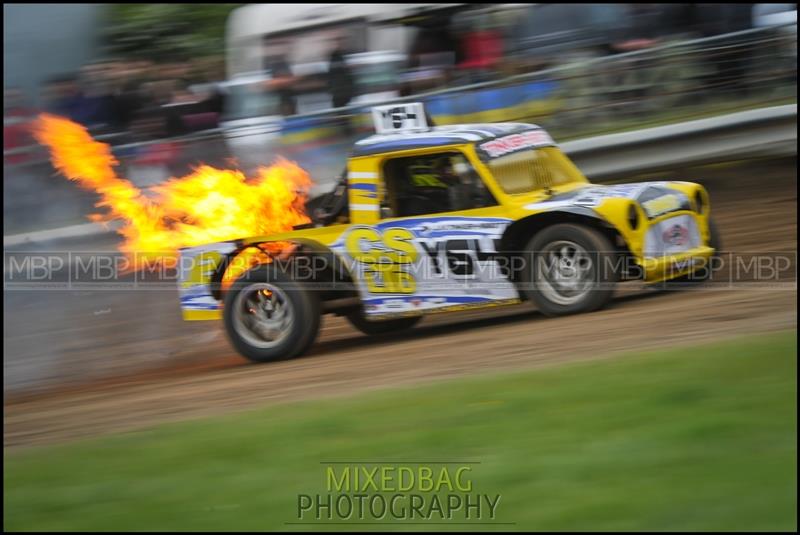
534, 169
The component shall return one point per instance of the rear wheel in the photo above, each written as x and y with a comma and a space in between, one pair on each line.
270, 317
375, 327
572, 270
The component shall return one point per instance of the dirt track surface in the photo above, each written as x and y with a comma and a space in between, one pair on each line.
84, 363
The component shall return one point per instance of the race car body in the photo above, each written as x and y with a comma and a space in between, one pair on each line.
448, 218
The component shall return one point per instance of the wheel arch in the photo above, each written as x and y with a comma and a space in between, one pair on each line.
333, 270
519, 233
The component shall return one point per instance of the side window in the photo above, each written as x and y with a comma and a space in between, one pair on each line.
433, 183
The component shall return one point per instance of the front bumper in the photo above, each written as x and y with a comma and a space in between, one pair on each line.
677, 264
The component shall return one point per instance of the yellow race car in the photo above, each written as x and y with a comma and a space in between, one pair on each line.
437, 219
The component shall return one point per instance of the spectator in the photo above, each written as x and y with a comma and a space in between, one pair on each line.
84, 99
726, 68
128, 80
433, 54
282, 78
97, 107
17, 122
642, 28
61, 96
716, 19
340, 78
482, 47
150, 162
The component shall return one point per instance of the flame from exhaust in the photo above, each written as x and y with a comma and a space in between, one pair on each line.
208, 205
253, 256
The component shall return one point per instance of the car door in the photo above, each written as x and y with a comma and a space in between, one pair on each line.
444, 258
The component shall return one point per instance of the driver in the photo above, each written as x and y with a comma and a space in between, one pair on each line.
431, 179
433, 172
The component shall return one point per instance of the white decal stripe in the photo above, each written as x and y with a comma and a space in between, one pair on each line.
364, 207
397, 137
470, 137
362, 174
474, 128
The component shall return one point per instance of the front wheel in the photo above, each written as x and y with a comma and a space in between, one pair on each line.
571, 269
372, 328
270, 317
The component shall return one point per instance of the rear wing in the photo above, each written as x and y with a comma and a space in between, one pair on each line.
196, 267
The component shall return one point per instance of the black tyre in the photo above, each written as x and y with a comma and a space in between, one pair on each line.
375, 327
715, 238
570, 268
270, 317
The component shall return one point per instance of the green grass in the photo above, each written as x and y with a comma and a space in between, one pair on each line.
703, 438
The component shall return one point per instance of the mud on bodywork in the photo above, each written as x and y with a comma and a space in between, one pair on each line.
644, 220
656, 198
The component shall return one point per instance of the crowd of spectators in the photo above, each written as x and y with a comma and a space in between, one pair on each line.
466, 46
121, 100
115, 96
135, 100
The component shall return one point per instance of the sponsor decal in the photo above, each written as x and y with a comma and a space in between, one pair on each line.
383, 258
516, 142
661, 205
426, 228
655, 199
394, 303
423, 256
676, 235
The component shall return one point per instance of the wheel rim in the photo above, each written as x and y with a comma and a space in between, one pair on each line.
263, 315
564, 272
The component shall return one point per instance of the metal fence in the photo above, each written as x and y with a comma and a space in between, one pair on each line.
583, 97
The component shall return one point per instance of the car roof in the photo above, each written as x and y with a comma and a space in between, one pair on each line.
438, 136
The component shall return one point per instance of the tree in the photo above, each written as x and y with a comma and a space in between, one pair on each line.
166, 32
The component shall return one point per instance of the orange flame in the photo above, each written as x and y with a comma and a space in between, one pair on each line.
206, 206
253, 256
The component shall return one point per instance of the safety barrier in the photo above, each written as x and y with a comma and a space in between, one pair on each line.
674, 84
